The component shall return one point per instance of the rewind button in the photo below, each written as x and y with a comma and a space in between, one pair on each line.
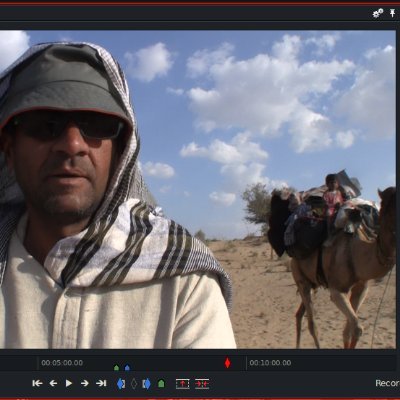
36, 383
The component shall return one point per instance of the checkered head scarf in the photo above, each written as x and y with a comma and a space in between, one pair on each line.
127, 240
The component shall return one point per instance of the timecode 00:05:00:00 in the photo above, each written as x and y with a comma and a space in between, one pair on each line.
63, 363
269, 363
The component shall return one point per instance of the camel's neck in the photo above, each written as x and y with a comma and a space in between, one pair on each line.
386, 247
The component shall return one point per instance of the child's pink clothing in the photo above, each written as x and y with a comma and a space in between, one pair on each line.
331, 199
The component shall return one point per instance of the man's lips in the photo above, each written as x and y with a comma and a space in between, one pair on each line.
67, 175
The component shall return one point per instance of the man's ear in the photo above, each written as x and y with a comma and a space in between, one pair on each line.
6, 145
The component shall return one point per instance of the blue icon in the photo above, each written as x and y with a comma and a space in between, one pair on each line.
127, 367
121, 383
146, 383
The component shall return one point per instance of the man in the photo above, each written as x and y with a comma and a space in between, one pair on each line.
85, 261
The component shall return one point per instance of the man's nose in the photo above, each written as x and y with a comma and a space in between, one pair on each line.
71, 141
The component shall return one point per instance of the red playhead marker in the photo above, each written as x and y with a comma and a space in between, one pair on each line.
227, 362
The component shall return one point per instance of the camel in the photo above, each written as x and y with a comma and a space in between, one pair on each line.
348, 265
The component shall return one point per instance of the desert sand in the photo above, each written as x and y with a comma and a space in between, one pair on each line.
266, 300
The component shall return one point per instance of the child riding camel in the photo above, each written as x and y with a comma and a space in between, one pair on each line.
333, 199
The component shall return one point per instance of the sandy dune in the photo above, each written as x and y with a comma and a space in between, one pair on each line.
266, 299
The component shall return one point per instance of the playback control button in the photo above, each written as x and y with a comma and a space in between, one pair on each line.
36, 383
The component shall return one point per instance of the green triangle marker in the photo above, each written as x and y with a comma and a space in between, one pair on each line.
116, 367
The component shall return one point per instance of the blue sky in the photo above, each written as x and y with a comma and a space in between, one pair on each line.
220, 110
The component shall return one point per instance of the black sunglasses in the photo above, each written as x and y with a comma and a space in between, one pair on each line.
48, 125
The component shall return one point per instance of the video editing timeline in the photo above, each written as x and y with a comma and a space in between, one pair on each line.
193, 374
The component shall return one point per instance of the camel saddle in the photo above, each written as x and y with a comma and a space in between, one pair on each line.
360, 219
309, 235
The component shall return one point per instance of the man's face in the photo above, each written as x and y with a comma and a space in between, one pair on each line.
64, 177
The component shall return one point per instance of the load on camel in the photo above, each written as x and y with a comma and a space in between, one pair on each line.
361, 249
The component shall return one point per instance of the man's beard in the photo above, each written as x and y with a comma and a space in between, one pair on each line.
50, 207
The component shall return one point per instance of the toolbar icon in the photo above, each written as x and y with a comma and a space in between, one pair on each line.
85, 383
68, 383
182, 383
161, 384
101, 383
121, 384
133, 383
378, 13
392, 12
146, 383
53, 383
36, 383
201, 383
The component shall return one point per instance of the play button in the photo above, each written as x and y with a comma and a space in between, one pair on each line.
67, 383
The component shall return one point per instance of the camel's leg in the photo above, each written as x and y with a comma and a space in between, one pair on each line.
358, 293
343, 303
299, 317
304, 287
305, 293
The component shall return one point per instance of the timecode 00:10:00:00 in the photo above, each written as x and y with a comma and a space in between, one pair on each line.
269, 363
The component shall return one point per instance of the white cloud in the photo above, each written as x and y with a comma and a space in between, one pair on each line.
223, 198
158, 170
369, 105
288, 48
242, 159
193, 150
239, 176
309, 131
240, 150
268, 92
12, 45
177, 92
224, 153
325, 42
345, 139
203, 60
149, 63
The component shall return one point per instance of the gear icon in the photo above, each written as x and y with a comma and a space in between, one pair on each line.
377, 13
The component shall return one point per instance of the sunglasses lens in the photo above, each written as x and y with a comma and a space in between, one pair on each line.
99, 126
44, 125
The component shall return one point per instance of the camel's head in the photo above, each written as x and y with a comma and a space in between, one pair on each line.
283, 193
387, 215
